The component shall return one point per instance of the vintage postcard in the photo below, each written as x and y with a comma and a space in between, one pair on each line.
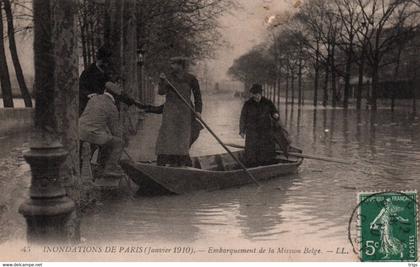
209, 130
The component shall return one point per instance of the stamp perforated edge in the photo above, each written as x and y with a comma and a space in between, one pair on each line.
378, 192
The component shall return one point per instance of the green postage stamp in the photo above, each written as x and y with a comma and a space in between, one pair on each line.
388, 226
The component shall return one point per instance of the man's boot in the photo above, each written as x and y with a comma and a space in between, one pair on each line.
110, 177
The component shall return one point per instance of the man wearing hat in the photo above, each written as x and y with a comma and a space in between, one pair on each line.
93, 78
257, 128
100, 124
178, 123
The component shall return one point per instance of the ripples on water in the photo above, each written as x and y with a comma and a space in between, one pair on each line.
314, 204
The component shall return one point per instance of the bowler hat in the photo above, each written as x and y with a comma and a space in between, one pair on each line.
256, 88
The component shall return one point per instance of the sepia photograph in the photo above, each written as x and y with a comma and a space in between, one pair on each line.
209, 131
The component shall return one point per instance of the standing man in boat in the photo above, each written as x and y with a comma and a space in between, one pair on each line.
256, 126
175, 136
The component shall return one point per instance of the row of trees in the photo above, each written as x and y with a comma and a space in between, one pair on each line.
162, 28
156, 29
326, 42
7, 21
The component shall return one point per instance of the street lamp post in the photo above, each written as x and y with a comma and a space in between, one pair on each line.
48, 210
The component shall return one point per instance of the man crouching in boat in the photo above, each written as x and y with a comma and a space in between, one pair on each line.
257, 120
100, 124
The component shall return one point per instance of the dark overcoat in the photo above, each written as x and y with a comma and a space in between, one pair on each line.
92, 81
256, 123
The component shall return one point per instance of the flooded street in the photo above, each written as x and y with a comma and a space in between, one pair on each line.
14, 185
311, 208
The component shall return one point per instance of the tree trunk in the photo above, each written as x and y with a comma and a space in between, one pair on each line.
66, 87
347, 80
292, 86
316, 84
287, 88
88, 38
6, 87
271, 92
316, 67
44, 66
113, 30
274, 88
98, 30
300, 81
360, 83
129, 115
83, 38
92, 30
303, 95
374, 87
325, 97
334, 88
333, 77
278, 91
266, 90
274, 91
129, 67
15, 58
396, 74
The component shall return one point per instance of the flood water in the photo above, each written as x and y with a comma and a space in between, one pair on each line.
311, 208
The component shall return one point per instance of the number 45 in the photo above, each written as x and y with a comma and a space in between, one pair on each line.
371, 247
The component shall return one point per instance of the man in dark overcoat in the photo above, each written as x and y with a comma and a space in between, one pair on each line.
256, 127
93, 78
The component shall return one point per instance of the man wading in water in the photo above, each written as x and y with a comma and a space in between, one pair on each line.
175, 134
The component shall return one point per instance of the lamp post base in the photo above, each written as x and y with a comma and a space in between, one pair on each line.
48, 220
50, 214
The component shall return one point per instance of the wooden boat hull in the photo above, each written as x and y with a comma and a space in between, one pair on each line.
153, 179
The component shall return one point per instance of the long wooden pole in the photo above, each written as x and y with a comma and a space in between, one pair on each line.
212, 133
306, 156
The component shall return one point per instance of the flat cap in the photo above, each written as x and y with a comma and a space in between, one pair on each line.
113, 88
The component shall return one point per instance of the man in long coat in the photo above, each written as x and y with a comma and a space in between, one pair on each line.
256, 127
174, 139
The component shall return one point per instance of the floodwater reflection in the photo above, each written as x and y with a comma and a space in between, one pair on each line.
313, 205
